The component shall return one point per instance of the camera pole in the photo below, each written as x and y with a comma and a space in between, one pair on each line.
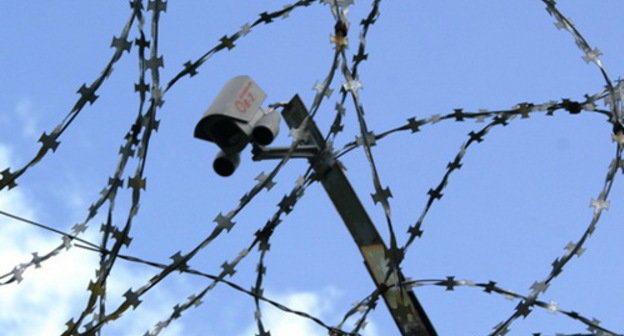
405, 309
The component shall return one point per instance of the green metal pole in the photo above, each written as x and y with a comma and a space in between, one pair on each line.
407, 312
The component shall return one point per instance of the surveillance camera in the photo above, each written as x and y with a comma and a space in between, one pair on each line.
227, 121
234, 119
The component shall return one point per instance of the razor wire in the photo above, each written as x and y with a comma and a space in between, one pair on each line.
138, 139
449, 284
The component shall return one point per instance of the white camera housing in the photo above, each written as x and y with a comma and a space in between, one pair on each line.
229, 120
234, 119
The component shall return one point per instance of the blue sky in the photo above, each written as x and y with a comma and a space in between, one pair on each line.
520, 197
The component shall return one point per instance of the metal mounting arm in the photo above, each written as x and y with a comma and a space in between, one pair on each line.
264, 153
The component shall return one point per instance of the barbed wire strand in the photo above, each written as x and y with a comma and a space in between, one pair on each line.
601, 203
89, 246
414, 125
352, 86
97, 288
590, 54
87, 94
502, 118
450, 283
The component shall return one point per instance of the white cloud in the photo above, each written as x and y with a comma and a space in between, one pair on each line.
14, 200
49, 296
5, 120
72, 194
319, 304
28, 119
